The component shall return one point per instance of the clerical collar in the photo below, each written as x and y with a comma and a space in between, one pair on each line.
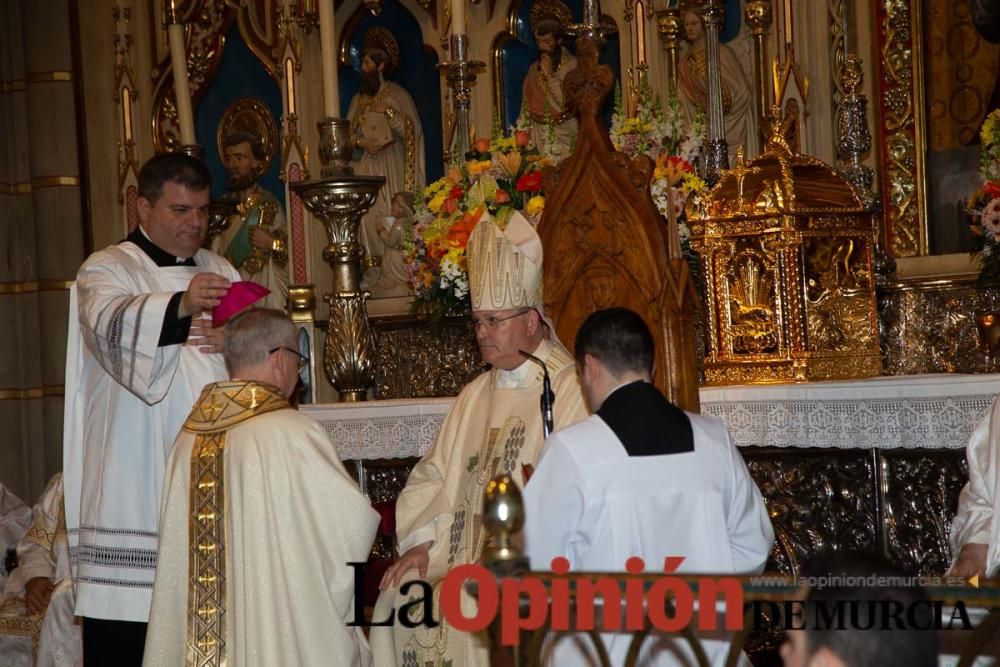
159, 256
525, 373
646, 423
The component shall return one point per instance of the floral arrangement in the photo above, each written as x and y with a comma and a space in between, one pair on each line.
501, 175
984, 204
666, 136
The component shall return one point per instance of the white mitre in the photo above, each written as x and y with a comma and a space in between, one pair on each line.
505, 267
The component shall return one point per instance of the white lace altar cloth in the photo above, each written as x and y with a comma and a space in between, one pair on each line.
910, 411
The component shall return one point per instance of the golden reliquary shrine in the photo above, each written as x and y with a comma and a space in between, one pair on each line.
801, 200
786, 247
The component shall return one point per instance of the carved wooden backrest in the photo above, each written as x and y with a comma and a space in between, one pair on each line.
606, 244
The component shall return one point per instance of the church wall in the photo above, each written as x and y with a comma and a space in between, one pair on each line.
42, 227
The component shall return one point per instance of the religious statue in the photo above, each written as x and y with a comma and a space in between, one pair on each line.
255, 238
692, 80
544, 102
391, 279
388, 138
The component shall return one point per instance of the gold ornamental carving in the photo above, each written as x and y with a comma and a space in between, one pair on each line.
350, 350
349, 359
901, 116
786, 247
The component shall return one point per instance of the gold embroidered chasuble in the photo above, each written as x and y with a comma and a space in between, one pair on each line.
491, 429
259, 523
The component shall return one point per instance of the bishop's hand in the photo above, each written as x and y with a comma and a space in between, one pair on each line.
970, 562
418, 557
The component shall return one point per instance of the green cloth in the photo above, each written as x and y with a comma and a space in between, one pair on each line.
240, 247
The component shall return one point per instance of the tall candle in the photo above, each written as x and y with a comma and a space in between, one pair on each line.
328, 48
178, 57
458, 17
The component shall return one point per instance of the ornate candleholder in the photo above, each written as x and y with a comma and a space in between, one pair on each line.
988, 327
503, 518
669, 26
461, 73
716, 148
335, 147
193, 150
339, 200
593, 26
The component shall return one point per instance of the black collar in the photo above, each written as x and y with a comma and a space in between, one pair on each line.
159, 256
646, 423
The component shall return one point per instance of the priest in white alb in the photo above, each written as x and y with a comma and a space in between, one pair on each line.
260, 522
37, 627
640, 477
138, 353
494, 427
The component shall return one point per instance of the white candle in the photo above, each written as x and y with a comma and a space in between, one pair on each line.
458, 17
328, 49
178, 57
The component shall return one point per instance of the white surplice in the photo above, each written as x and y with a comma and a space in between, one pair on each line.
126, 399
978, 517
592, 503
292, 520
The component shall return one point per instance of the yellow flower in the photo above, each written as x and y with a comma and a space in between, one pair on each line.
477, 167
504, 144
691, 183
535, 205
660, 173
510, 163
436, 202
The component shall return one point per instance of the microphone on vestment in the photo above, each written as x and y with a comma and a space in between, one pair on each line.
548, 398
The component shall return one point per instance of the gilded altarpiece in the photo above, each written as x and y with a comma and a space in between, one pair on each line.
786, 248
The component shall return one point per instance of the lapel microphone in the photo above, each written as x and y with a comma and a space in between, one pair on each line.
548, 398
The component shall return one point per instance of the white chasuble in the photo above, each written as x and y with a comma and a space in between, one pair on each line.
259, 523
494, 427
126, 398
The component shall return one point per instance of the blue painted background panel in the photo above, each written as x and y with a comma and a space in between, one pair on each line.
417, 73
520, 51
240, 75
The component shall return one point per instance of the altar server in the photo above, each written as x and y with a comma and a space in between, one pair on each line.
259, 522
640, 477
138, 352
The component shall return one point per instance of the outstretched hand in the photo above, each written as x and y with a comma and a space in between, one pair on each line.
970, 562
205, 337
203, 293
418, 557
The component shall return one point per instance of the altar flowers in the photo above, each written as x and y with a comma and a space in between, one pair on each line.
666, 136
501, 174
984, 204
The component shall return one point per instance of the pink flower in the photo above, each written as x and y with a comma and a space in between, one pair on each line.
991, 219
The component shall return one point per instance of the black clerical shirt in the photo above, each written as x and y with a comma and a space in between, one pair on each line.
175, 329
646, 423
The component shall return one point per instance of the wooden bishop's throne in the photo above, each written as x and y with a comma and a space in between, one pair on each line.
606, 244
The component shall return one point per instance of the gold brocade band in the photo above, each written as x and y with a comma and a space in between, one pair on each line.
49, 77
206, 636
32, 392
31, 286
